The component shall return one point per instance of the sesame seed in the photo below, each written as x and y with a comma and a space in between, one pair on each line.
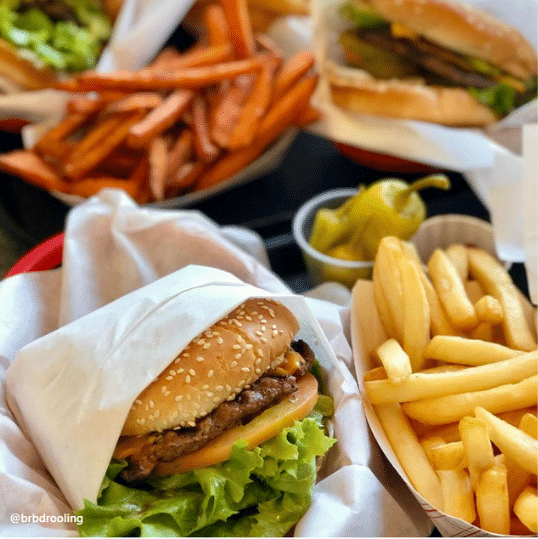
169, 378
249, 318
142, 421
207, 345
186, 354
166, 393
210, 393
259, 333
233, 364
245, 369
151, 404
228, 387
238, 356
200, 359
188, 379
210, 374
151, 418
192, 372
264, 328
177, 360
220, 340
204, 387
258, 371
188, 396
263, 339
258, 360
180, 371
248, 346
219, 388
172, 372
260, 352
191, 424
236, 346
178, 398
163, 389
216, 399
138, 401
157, 413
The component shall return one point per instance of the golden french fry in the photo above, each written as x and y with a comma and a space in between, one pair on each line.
476, 446
457, 253
457, 494
512, 441
439, 322
488, 309
492, 501
496, 281
482, 332
410, 454
420, 385
449, 408
389, 278
526, 508
517, 477
429, 445
455, 349
529, 425
416, 313
382, 306
450, 431
449, 286
395, 361
449, 456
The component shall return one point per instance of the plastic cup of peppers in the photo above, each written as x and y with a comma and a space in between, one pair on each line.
339, 231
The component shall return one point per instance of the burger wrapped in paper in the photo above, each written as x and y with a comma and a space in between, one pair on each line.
223, 439
431, 60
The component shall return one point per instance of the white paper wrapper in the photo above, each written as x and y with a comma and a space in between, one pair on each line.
78, 345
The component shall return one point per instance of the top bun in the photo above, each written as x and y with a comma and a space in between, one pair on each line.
214, 367
464, 29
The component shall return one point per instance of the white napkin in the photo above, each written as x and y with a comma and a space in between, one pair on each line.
113, 247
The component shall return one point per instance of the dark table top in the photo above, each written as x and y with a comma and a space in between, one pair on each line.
267, 205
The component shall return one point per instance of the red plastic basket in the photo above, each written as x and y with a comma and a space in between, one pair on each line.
46, 255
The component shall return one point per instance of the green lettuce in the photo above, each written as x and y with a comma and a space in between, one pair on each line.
63, 45
501, 98
362, 15
259, 492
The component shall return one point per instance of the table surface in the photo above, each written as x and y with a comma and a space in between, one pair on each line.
267, 204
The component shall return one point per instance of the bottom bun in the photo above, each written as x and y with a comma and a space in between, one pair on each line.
357, 91
22, 72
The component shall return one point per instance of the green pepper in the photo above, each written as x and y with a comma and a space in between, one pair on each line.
391, 207
331, 226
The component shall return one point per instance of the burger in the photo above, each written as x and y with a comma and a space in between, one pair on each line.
41, 39
225, 441
431, 60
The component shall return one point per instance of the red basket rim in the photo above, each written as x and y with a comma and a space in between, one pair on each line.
47, 255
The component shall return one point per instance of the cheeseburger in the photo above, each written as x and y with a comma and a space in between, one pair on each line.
225, 440
41, 39
431, 60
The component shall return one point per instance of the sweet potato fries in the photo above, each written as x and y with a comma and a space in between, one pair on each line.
186, 122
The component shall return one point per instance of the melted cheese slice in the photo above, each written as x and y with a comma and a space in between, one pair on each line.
262, 428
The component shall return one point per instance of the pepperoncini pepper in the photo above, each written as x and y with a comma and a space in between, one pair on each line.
389, 207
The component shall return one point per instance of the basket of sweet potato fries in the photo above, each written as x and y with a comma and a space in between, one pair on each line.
186, 123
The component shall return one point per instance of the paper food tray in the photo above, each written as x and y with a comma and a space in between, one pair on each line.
71, 390
367, 334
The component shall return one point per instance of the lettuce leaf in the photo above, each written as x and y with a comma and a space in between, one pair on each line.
63, 45
258, 492
501, 98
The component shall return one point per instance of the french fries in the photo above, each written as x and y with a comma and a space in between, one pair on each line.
474, 417
184, 123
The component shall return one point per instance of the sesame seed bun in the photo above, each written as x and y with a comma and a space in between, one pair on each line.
464, 29
214, 367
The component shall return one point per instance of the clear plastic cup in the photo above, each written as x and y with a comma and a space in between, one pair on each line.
321, 267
